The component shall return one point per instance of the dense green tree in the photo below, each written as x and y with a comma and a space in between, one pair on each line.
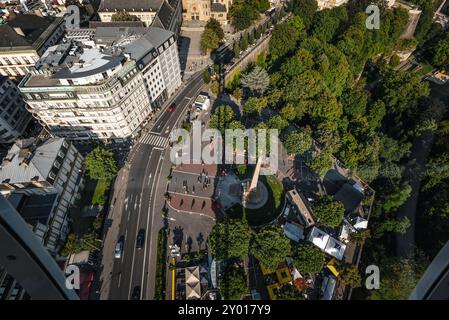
270, 246
392, 150
359, 236
288, 292
411, 89
233, 283
244, 42
230, 239
100, 164
215, 26
321, 163
350, 276
209, 40
329, 138
244, 12
251, 37
257, 80
398, 225
277, 122
206, 76
437, 170
298, 142
428, 8
399, 278
236, 49
397, 197
288, 112
354, 102
283, 40
253, 106
123, 16
305, 9
221, 118
326, 23
307, 258
376, 113
440, 52
329, 212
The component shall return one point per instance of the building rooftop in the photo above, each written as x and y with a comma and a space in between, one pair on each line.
165, 14
218, 7
27, 161
130, 5
27, 31
97, 24
34, 208
10, 39
152, 39
305, 211
98, 58
91, 61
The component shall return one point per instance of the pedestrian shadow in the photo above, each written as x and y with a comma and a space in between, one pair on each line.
178, 235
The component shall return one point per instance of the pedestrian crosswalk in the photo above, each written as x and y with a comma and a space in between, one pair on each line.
155, 140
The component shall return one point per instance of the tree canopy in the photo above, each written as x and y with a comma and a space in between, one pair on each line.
230, 239
329, 212
100, 164
257, 80
270, 246
307, 258
209, 39
123, 16
221, 118
233, 283
298, 142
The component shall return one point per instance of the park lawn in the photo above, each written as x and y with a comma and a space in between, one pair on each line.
94, 193
269, 211
100, 193
426, 68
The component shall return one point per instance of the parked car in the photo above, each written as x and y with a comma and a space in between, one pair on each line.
119, 247
140, 240
171, 108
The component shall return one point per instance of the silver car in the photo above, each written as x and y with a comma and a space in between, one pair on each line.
119, 248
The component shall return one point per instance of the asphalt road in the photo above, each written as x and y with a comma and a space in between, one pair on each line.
139, 205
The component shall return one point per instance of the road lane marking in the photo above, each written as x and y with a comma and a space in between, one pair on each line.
155, 140
134, 247
152, 221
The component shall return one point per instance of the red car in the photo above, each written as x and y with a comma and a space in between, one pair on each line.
171, 108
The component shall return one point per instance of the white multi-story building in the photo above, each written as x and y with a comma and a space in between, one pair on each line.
24, 39
14, 118
41, 178
106, 87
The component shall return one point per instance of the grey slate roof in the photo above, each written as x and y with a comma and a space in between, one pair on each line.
35, 28
165, 14
218, 7
108, 35
98, 24
14, 171
129, 5
153, 38
9, 38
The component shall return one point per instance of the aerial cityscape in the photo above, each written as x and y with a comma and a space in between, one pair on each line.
224, 150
